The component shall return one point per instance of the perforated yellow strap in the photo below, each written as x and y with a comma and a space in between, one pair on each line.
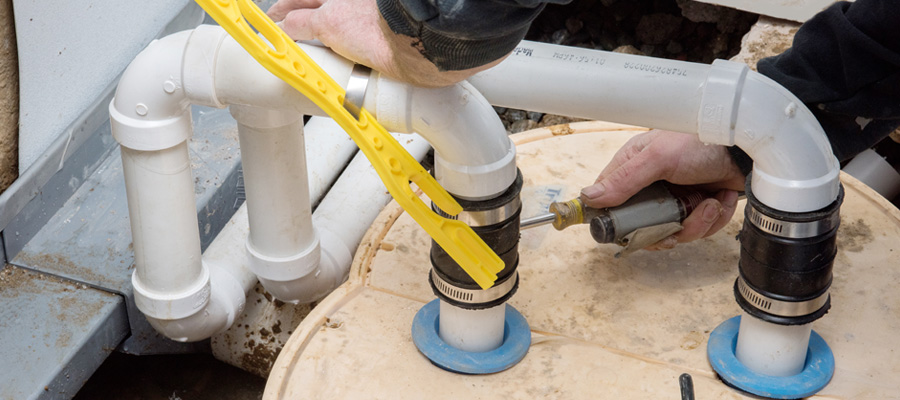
394, 165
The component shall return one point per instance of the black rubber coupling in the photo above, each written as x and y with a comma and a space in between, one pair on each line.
786, 262
502, 237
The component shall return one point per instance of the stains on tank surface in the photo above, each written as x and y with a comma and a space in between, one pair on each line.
276, 327
853, 236
561, 130
259, 358
692, 340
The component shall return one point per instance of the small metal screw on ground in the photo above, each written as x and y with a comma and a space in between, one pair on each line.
687, 386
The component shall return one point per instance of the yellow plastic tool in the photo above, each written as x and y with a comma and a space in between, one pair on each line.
394, 165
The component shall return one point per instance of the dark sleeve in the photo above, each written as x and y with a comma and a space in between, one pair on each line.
462, 34
845, 66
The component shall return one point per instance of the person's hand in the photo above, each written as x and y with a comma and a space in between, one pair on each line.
356, 30
680, 159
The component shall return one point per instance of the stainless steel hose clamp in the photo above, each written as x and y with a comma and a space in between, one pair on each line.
780, 307
474, 296
485, 217
356, 89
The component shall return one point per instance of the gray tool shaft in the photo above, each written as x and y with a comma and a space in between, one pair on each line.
539, 220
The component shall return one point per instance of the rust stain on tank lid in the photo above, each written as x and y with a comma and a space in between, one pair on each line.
561, 130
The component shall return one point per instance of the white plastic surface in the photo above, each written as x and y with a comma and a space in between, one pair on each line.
243, 81
359, 195
328, 151
772, 349
795, 10
474, 158
474, 331
593, 84
282, 244
198, 74
164, 226
150, 111
873, 170
794, 168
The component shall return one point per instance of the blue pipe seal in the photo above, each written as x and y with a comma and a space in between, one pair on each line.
516, 341
816, 373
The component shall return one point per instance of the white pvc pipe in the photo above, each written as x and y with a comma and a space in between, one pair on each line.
772, 349
359, 195
240, 80
160, 183
594, 84
474, 157
328, 151
474, 331
794, 169
873, 170
283, 245
230, 280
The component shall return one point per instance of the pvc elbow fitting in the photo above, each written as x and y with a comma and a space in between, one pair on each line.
794, 169
474, 157
221, 300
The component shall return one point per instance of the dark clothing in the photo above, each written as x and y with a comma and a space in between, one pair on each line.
845, 66
462, 34
844, 63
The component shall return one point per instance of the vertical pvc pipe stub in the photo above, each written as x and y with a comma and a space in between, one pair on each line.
816, 373
516, 341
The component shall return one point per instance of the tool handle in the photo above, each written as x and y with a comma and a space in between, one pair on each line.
655, 205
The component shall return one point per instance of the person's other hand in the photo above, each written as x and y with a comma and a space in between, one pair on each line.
356, 30
680, 159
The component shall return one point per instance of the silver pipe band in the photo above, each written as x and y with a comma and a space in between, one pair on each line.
792, 230
780, 307
356, 89
486, 217
474, 296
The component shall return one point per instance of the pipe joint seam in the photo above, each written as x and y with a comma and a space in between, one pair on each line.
199, 72
227, 290
150, 110
149, 135
719, 102
284, 269
263, 118
173, 305
796, 195
477, 182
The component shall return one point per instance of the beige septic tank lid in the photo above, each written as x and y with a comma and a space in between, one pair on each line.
601, 327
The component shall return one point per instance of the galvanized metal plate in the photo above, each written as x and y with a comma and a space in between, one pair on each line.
55, 333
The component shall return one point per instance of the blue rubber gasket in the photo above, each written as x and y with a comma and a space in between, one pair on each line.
516, 341
816, 373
